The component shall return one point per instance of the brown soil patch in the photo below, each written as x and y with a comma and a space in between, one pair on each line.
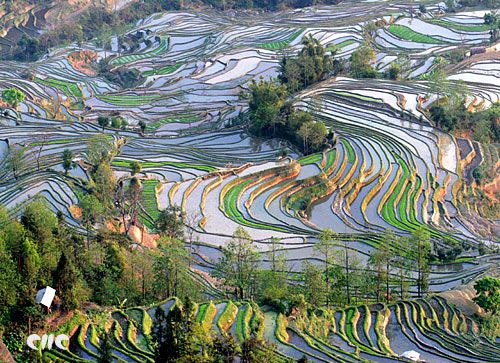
76, 211
82, 61
492, 189
143, 237
462, 299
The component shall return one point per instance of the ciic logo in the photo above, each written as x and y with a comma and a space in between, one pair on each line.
47, 340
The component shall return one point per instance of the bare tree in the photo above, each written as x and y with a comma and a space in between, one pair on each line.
191, 224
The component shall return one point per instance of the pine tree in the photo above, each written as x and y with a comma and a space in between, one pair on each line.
106, 348
65, 278
421, 249
325, 246
238, 265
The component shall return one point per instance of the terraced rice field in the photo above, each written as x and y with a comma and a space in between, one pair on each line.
389, 168
162, 47
367, 333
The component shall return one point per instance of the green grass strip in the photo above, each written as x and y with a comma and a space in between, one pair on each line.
311, 159
405, 33
350, 150
149, 202
70, 89
163, 71
340, 45
230, 208
183, 119
330, 158
360, 97
458, 26
135, 57
128, 100
280, 44
157, 164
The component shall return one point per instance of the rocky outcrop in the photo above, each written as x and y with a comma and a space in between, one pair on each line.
5, 355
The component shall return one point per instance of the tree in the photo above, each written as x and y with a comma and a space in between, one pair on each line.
41, 144
105, 184
317, 135
362, 60
488, 290
28, 266
325, 246
135, 167
124, 124
15, 160
311, 65
105, 349
178, 337
491, 19
273, 284
13, 97
159, 335
65, 278
402, 261
171, 221
118, 122
172, 269
394, 71
351, 278
127, 201
437, 82
27, 49
103, 121
314, 286
266, 100
420, 251
67, 160
305, 133
142, 275
99, 149
40, 223
238, 264
382, 260
142, 126
313, 135
224, 349
92, 210
253, 350
10, 282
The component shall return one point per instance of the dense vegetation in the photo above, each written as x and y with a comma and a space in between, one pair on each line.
271, 112
450, 113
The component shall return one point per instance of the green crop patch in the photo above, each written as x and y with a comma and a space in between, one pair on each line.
163, 71
163, 47
406, 33
159, 164
182, 119
280, 44
462, 27
68, 88
128, 100
339, 46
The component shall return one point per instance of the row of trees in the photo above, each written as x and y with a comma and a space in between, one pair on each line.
339, 280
